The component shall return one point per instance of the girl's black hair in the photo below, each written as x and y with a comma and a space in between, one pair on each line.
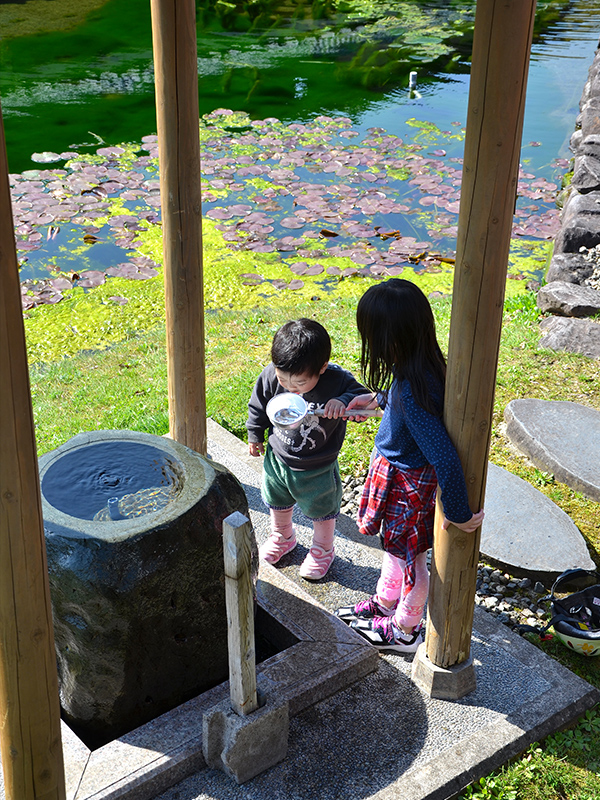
396, 325
301, 345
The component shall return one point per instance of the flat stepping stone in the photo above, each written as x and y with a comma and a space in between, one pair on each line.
559, 437
526, 532
573, 335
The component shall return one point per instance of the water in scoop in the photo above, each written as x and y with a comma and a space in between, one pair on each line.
285, 416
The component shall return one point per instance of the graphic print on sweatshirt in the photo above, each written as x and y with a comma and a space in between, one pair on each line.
303, 438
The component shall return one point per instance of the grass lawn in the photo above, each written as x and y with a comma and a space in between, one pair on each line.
125, 386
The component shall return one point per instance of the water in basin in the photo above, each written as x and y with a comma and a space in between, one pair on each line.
137, 478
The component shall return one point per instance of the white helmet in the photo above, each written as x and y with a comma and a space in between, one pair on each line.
576, 617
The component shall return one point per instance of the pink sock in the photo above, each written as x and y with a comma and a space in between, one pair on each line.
389, 585
281, 522
410, 608
323, 532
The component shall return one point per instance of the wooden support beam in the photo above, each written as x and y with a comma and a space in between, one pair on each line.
501, 48
32, 758
176, 79
239, 597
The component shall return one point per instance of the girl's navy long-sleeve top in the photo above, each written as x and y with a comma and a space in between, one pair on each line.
410, 437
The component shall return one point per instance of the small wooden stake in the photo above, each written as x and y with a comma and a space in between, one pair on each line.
239, 598
501, 47
176, 76
32, 758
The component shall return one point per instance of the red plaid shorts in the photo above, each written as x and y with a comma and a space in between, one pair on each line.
400, 503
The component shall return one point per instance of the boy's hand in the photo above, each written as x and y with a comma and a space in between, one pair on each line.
256, 448
469, 526
361, 402
334, 409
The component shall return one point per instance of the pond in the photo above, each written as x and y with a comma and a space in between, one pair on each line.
372, 186
57, 86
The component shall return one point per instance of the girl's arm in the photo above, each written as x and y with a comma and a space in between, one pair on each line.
469, 526
362, 402
431, 436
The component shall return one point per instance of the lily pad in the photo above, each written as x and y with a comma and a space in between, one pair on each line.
252, 279
47, 157
91, 278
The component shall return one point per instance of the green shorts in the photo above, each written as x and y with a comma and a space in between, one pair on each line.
318, 492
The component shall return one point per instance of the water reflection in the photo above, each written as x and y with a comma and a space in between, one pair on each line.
56, 88
86, 482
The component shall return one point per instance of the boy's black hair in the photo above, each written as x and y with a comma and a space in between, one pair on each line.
397, 329
301, 346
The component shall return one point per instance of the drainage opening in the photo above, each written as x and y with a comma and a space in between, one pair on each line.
270, 638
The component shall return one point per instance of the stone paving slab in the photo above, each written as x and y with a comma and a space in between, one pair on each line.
382, 738
379, 738
525, 532
559, 437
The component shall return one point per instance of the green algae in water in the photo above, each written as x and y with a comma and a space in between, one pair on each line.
89, 321
259, 271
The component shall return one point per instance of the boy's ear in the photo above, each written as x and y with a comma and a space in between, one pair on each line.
324, 367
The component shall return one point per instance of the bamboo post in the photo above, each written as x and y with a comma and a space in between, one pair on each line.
176, 78
32, 758
239, 598
501, 47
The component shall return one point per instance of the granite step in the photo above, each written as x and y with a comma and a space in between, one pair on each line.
559, 437
526, 533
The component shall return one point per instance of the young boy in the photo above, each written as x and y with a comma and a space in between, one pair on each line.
300, 465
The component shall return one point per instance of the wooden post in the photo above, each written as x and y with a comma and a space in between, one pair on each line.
176, 79
501, 47
240, 613
32, 758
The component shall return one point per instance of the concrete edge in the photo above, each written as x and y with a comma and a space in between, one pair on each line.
229, 441
485, 751
328, 657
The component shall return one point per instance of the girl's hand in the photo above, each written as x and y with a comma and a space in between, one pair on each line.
366, 402
469, 526
334, 409
256, 448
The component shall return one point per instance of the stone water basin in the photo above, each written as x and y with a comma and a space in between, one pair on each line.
133, 529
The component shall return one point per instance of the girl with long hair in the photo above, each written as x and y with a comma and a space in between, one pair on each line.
405, 370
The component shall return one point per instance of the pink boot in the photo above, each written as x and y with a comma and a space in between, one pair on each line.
282, 540
321, 554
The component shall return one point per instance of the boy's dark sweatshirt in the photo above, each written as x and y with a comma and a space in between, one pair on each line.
318, 440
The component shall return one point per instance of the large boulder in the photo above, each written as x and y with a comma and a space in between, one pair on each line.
586, 175
133, 527
590, 117
568, 299
571, 335
580, 224
569, 267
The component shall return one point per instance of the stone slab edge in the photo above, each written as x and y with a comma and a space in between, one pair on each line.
229, 441
479, 754
317, 667
542, 459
